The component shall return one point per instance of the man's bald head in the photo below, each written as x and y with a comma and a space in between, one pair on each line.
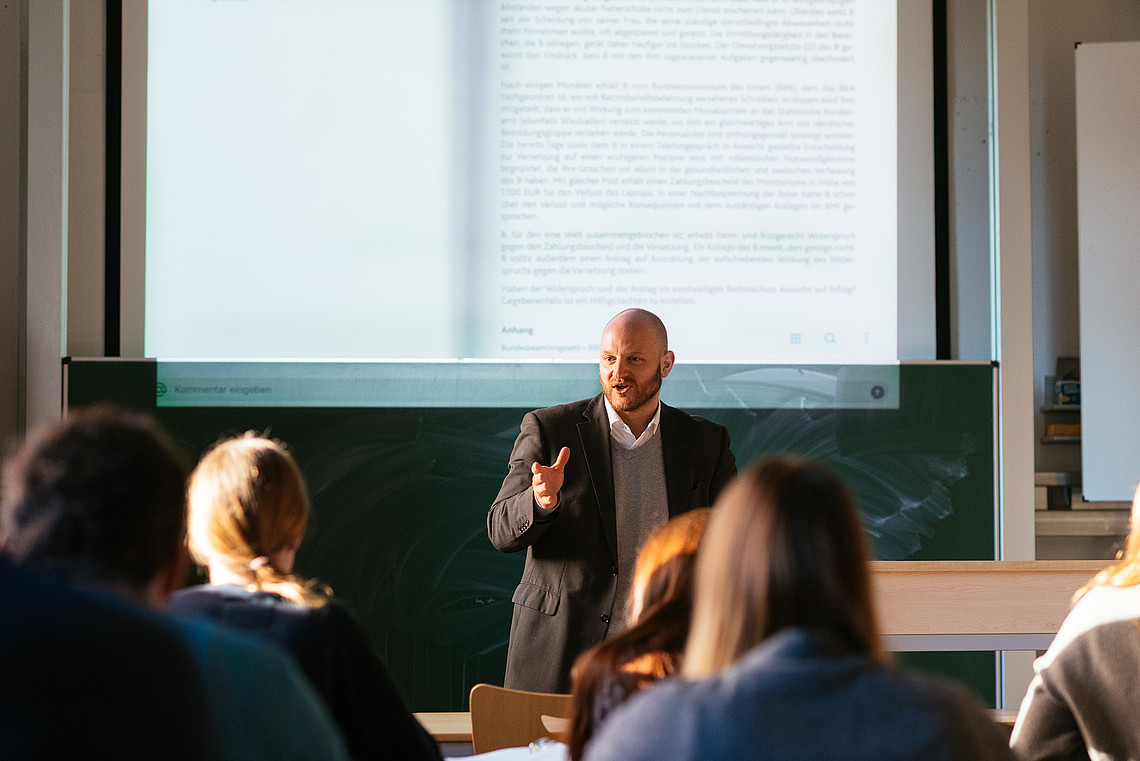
639, 319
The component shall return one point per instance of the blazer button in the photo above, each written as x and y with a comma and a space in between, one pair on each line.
605, 619
613, 570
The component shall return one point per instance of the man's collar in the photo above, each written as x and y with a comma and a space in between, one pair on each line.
622, 432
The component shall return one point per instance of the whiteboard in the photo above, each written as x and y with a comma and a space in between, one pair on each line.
1108, 216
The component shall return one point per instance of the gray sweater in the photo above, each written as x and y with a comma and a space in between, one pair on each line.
1084, 701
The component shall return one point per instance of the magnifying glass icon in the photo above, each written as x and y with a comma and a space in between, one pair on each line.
829, 338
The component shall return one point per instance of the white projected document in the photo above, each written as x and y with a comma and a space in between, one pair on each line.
494, 180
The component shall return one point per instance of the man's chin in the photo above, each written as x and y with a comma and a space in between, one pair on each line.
625, 403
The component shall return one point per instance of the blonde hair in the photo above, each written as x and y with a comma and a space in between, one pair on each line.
604, 676
247, 502
1125, 572
664, 565
785, 547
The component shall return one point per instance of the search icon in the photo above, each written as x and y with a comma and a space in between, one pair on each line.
829, 338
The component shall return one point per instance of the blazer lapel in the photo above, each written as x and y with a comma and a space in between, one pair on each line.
677, 453
594, 432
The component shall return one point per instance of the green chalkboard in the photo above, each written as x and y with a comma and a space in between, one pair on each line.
400, 497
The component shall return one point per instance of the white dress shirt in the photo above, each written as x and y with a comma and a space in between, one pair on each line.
621, 432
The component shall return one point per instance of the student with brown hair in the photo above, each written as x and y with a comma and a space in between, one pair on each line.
660, 606
784, 657
607, 674
248, 508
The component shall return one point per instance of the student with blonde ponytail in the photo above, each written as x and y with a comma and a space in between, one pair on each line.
248, 508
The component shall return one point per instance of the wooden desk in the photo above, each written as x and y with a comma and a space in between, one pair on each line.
447, 726
455, 727
1003, 716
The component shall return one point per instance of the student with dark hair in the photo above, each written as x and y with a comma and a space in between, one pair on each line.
83, 675
784, 658
98, 500
248, 510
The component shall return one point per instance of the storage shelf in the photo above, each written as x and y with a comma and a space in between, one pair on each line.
1085, 519
1061, 408
1060, 439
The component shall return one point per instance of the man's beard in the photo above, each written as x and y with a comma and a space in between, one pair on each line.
631, 402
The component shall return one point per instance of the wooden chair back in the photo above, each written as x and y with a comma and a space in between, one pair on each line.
503, 718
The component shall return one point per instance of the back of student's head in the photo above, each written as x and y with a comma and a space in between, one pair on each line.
785, 548
97, 497
664, 568
661, 602
247, 501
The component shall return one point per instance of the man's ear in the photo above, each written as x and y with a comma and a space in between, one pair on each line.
667, 364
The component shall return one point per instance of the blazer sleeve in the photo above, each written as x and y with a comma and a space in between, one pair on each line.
515, 520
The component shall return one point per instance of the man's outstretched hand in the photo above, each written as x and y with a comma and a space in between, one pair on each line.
547, 480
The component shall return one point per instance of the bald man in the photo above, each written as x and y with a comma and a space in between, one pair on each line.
588, 482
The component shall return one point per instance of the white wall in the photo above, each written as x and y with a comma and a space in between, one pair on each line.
43, 336
11, 48
1108, 192
971, 285
1055, 27
86, 172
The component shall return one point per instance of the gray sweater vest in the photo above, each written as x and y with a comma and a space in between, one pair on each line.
642, 506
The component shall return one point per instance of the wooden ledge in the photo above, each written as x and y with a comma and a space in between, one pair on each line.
1011, 604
